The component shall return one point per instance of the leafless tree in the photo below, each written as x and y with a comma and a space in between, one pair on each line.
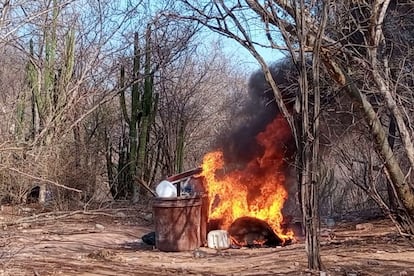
233, 20
299, 27
196, 89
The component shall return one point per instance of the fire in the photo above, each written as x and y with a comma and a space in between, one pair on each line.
256, 190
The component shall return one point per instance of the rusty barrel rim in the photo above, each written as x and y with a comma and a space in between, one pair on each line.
176, 202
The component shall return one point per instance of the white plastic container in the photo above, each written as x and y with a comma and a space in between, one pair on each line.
166, 189
218, 239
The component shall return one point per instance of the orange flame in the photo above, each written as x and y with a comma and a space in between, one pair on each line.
255, 191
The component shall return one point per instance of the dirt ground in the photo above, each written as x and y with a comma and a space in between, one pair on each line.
107, 242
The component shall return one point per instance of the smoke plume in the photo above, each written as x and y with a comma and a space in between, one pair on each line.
239, 143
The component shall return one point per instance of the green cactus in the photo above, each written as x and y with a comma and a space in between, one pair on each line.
69, 58
119, 187
20, 112
33, 82
49, 92
143, 104
148, 111
179, 147
48, 85
122, 100
135, 111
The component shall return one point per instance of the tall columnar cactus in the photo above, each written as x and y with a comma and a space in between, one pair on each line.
48, 84
135, 111
119, 187
143, 104
148, 105
33, 81
179, 146
69, 58
48, 77
20, 112
65, 73
49, 90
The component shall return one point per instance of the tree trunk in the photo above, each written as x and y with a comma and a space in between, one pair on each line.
401, 187
309, 140
392, 201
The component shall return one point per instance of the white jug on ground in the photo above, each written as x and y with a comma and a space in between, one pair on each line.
218, 239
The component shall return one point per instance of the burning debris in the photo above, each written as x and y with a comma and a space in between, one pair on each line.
251, 232
244, 182
253, 195
246, 202
248, 177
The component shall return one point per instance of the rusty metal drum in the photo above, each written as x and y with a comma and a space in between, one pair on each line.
177, 223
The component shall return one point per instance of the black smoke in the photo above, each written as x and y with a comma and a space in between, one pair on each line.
238, 143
